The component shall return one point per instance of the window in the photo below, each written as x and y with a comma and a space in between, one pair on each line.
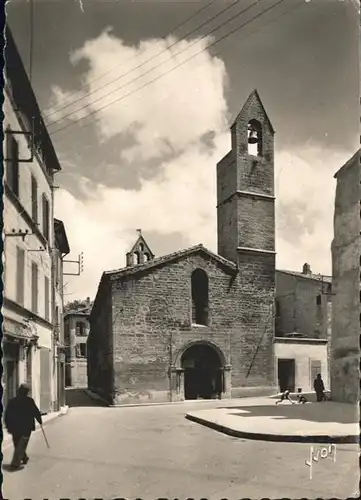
254, 137
34, 287
12, 165
57, 317
318, 300
199, 282
278, 309
20, 275
47, 308
315, 370
34, 199
146, 257
80, 329
80, 350
137, 258
46, 216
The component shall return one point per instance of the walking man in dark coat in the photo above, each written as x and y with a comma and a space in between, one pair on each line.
20, 415
319, 388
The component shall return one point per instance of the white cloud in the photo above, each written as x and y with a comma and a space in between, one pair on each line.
171, 113
175, 113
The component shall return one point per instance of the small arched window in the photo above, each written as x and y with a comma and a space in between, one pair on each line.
137, 258
199, 297
146, 257
254, 138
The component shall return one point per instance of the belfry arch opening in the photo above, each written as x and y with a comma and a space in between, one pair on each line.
199, 297
203, 372
254, 138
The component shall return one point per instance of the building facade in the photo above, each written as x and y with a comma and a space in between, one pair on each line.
61, 250
76, 328
303, 326
346, 276
30, 163
195, 324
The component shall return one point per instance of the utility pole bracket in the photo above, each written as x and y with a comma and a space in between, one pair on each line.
30, 135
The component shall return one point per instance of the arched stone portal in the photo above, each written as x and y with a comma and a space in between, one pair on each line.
203, 372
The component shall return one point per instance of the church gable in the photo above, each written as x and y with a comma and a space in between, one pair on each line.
140, 252
167, 260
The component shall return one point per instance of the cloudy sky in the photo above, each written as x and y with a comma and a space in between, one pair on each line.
139, 96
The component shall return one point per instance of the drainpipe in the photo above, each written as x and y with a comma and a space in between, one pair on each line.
170, 365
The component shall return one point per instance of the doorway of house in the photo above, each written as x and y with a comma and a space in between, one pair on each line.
286, 374
202, 372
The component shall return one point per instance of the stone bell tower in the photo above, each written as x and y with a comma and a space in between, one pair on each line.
246, 236
245, 185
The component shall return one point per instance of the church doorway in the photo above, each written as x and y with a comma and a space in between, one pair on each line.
203, 372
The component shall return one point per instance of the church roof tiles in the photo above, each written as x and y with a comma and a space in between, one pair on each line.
166, 259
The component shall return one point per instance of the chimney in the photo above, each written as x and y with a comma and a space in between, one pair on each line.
306, 269
88, 301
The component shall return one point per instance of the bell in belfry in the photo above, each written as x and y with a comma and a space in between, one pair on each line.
252, 135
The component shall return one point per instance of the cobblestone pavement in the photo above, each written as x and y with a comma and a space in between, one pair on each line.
152, 452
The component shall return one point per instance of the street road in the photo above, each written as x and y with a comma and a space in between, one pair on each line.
153, 452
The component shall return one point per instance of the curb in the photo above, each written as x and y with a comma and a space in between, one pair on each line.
349, 439
96, 397
6, 441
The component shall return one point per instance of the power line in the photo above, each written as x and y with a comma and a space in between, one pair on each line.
158, 65
31, 39
176, 28
294, 7
153, 57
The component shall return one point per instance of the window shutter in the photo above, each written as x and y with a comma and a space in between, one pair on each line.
20, 275
9, 157
12, 164
34, 199
47, 308
34, 287
15, 165
45, 208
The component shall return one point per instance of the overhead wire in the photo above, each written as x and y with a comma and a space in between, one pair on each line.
31, 49
243, 11
166, 35
74, 122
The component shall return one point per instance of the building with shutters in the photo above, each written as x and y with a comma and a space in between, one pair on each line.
346, 276
30, 162
76, 330
303, 325
61, 250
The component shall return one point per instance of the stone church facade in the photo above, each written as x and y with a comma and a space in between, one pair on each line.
195, 324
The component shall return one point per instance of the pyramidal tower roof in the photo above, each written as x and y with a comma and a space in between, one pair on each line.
253, 100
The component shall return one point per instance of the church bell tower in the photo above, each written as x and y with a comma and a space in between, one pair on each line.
246, 236
245, 187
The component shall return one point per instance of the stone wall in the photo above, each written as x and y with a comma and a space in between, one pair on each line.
298, 308
346, 252
153, 326
100, 343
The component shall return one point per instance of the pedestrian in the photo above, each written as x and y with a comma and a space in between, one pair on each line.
19, 418
300, 397
285, 395
319, 388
